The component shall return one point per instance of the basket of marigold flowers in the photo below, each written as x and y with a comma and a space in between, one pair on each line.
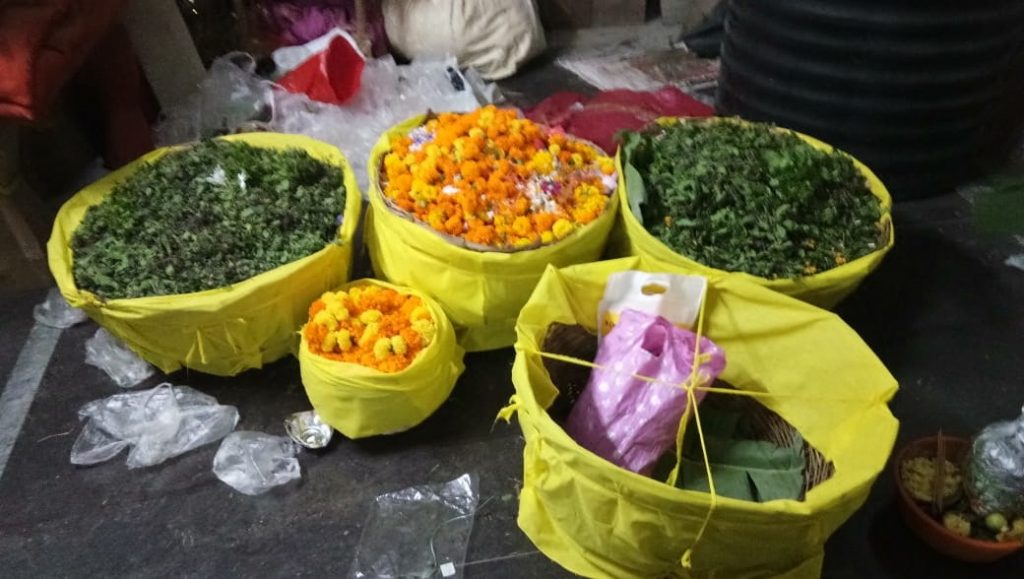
470, 208
377, 358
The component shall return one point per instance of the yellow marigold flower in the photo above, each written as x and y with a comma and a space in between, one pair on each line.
329, 297
344, 338
486, 117
399, 345
420, 313
354, 293
425, 328
607, 165
547, 237
369, 334
370, 316
382, 348
330, 341
477, 133
840, 259
325, 319
554, 149
521, 226
576, 160
542, 162
338, 311
522, 242
561, 228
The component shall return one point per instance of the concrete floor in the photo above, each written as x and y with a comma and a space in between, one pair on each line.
943, 312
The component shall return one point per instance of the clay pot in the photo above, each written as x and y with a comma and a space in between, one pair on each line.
932, 531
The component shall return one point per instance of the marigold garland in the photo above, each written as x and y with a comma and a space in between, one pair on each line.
497, 180
371, 326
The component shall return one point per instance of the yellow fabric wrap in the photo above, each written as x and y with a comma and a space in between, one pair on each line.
359, 401
481, 291
802, 362
825, 289
222, 331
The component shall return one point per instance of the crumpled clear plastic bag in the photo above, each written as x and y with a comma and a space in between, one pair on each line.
56, 312
228, 97
252, 463
109, 354
995, 469
156, 425
421, 531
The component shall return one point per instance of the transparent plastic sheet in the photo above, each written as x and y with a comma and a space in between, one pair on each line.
995, 469
109, 354
230, 96
56, 312
418, 532
156, 425
388, 94
252, 463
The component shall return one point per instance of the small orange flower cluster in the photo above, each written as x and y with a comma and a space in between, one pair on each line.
497, 180
369, 325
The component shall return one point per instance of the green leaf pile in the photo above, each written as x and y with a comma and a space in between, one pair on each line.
749, 198
741, 466
206, 217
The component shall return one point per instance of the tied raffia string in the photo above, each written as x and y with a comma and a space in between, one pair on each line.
690, 387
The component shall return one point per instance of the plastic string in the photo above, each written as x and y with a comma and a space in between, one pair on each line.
728, 391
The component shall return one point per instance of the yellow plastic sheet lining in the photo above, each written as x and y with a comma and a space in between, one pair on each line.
221, 331
802, 362
482, 292
825, 289
359, 401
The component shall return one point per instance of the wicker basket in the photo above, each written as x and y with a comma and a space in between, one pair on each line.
577, 342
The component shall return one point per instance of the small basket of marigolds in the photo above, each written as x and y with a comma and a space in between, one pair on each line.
768, 204
471, 208
377, 358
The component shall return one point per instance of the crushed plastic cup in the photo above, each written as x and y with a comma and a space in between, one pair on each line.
307, 429
56, 312
109, 354
252, 463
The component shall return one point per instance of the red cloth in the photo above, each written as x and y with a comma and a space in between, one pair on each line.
331, 76
42, 44
600, 118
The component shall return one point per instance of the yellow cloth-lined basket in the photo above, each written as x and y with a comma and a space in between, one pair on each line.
825, 289
359, 401
481, 291
222, 331
598, 520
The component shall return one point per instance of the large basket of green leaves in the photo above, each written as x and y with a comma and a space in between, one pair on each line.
779, 208
207, 256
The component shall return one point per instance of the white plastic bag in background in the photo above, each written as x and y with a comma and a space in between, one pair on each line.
56, 312
495, 38
676, 298
109, 354
252, 463
155, 424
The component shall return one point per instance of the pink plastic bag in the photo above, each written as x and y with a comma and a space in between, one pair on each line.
629, 421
